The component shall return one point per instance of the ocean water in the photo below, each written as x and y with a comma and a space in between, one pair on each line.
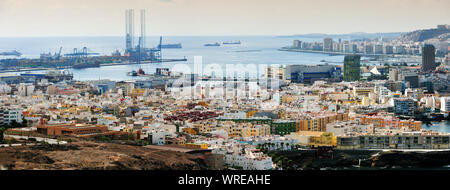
442, 126
261, 51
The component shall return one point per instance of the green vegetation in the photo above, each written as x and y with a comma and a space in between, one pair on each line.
377, 77
15, 124
102, 138
2, 129
281, 161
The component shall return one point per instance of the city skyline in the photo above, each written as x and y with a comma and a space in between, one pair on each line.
215, 18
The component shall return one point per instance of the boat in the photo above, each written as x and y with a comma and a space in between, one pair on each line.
85, 65
170, 46
235, 42
132, 73
139, 72
215, 44
252, 50
11, 53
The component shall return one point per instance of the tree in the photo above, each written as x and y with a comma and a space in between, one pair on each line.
24, 122
2, 129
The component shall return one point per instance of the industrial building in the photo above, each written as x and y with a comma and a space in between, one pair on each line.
139, 52
309, 74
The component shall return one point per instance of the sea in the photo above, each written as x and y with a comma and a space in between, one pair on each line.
258, 50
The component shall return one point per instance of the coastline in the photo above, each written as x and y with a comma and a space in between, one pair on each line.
101, 65
331, 53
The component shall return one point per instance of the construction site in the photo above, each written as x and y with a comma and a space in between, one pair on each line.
134, 53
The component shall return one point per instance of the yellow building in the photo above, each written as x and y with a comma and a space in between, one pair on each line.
319, 123
244, 129
362, 91
275, 73
325, 139
137, 92
288, 98
196, 145
203, 127
254, 131
189, 130
314, 138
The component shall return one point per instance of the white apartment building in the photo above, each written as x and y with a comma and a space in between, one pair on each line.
8, 115
249, 161
445, 104
340, 128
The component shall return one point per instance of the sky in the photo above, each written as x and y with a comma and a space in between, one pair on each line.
20, 18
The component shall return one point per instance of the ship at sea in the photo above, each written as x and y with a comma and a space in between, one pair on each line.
11, 53
230, 43
134, 73
86, 65
215, 44
169, 46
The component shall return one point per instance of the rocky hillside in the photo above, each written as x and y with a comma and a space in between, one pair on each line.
422, 35
367, 159
95, 156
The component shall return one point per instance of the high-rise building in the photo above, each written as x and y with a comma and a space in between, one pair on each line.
368, 49
388, 49
428, 53
297, 44
352, 68
400, 49
378, 49
445, 104
327, 44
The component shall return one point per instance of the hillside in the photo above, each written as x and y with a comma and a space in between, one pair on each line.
422, 35
95, 156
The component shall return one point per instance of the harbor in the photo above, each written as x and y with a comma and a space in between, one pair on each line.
26, 69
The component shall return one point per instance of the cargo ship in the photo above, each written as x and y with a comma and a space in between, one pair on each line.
170, 46
215, 44
12, 53
134, 73
228, 43
85, 65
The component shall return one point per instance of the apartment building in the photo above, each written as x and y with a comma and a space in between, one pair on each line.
400, 141
8, 115
319, 123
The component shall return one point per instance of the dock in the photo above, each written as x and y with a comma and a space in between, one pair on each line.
26, 69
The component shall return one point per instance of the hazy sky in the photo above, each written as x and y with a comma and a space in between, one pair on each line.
219, 17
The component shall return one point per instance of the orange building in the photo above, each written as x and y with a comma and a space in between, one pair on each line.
376, 121
71, 129
319, 123
391, 122
411, 124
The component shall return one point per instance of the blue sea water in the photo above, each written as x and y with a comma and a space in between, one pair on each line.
442, 126
258, 50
